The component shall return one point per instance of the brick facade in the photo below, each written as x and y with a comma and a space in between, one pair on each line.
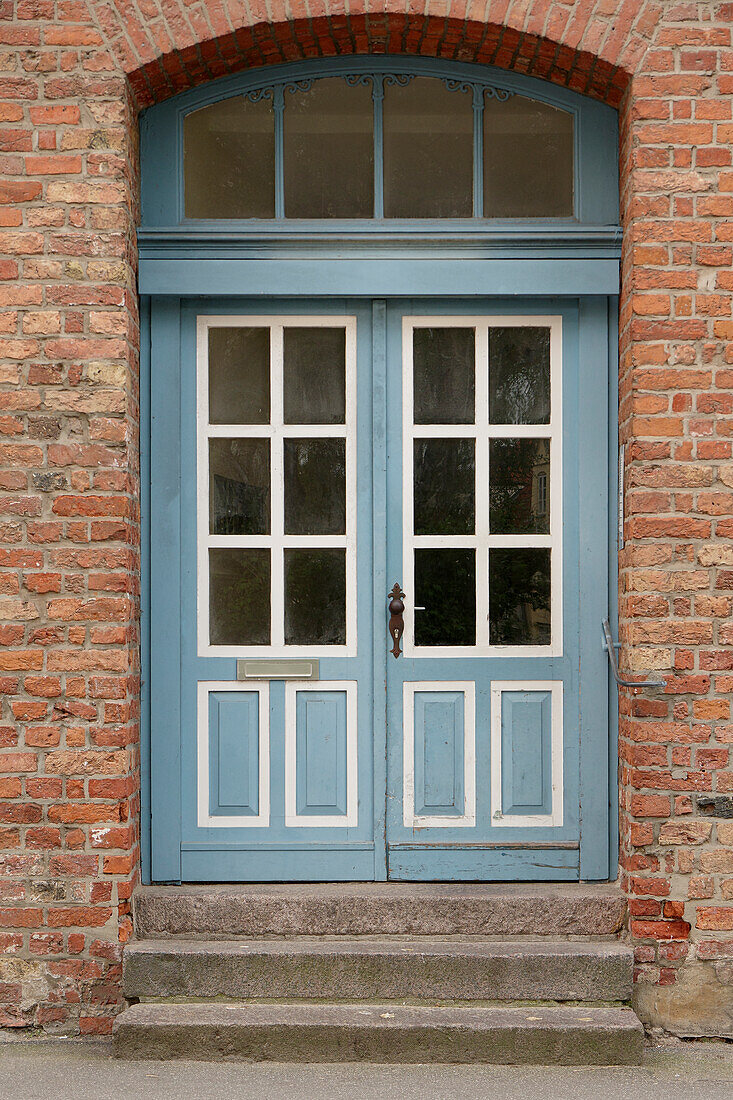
73, 76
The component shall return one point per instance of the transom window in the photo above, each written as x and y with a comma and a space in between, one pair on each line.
378, 145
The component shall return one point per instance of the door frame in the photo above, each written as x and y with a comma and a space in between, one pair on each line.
606, 835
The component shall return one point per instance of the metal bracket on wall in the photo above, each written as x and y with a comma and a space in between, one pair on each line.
610, 647
621, 486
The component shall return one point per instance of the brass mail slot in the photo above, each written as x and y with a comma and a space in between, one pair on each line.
286, 669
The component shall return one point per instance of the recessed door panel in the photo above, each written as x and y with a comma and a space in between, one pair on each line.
234, 734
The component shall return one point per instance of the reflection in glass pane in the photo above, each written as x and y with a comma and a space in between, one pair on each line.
528, 159
315, 487
315, 597
239, 375
428, 151
519, 486
444, 479
239, 597
519, 596
443, 375
329, 151
239, 486
229, 160
445, 585
519, 375
314, 375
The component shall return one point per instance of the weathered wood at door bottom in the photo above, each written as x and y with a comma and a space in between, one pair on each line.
482, 863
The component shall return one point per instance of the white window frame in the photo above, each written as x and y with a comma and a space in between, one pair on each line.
277, 542
482, 431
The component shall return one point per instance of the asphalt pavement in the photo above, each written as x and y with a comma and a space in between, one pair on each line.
53, 1069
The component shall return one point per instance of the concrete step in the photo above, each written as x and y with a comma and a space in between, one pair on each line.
358, 909
366, 969
380, 1033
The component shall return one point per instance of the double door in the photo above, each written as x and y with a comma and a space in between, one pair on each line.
378, 570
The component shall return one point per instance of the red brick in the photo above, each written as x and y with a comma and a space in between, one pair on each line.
661, 929
715, 917
78, 917
19, 191
52, 165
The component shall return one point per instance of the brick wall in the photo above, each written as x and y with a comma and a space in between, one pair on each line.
69, 762
73, 75
676, 585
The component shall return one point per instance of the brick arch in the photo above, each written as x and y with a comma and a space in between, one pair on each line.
166, 46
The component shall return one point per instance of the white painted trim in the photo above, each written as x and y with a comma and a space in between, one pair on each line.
275, 431
205, 818
431, 821
482, 431
324, 821
529, 821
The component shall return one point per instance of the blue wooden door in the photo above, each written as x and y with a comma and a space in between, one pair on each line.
261, 658
497, 534
306, 456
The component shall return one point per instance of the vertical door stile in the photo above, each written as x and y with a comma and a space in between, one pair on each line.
481, 486
165, 599
592, 594
145, 586
277, 528
380, 580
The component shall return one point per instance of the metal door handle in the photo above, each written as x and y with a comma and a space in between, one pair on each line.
610, 647
396, 622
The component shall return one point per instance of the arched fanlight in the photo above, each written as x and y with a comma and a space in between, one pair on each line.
375, 146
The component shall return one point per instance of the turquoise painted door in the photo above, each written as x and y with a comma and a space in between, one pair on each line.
497, 534
305, 457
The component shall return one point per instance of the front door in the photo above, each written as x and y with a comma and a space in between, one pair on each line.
306, 459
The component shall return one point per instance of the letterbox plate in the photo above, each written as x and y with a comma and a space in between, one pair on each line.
284, 669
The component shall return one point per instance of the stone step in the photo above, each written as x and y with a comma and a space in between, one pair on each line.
367, 969
385, 1033
358, 909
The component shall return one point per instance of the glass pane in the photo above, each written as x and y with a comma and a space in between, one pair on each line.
519, 596
443, 373
229, 160
428, 151
444, 478
239, 597
519, 375
528, 159
315, 486
445, 585
239, 486
239, 375
315, 597
519, 486
315, 376
329, 151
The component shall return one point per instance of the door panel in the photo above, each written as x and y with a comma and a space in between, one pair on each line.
484, 716
273, 411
